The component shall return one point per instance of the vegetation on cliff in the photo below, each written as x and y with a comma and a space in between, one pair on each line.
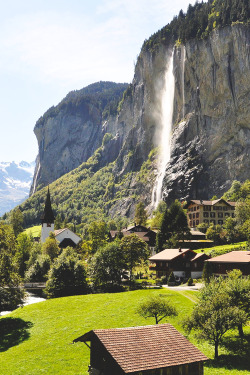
199, 20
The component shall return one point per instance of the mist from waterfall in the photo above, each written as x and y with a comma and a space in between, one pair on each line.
166, 118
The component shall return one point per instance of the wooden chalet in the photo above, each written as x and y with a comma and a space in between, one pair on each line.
184, 263
220, 265
209, 212
144, 233
148, 350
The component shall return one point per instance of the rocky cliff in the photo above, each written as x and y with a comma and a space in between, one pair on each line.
69, 133
211, 134
210, 143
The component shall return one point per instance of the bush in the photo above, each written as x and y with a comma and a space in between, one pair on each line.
171, 279
190, 281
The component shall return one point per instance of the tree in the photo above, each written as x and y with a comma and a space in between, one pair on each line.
50, 246
231, 229
16, 220
215, 233
135, 251
97, 232
174, 226
213, 315
158, 215
238, 290
67, 275
24, 245
141, 215
38, 271
107, 266
11, 295
156, 307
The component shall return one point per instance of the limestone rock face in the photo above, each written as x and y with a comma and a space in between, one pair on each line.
211, 135
69, 134
210, 144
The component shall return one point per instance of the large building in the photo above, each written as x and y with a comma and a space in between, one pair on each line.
222, 264
184, 263
209, 212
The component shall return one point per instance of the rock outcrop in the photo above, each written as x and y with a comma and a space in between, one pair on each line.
211, 122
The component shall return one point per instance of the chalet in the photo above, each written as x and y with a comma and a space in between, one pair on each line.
196, 240
210, 212
148, 350
64, 236
144, 233
184, 263
222, 264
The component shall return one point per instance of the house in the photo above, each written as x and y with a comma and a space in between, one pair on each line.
197, 240
65, 236
222, 264
146, 350
209, 212
184, 263
144, 233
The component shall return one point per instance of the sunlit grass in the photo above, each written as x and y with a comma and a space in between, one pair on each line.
50, 327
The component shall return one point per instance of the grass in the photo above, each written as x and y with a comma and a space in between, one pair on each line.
224, 247
37, 339
34, 231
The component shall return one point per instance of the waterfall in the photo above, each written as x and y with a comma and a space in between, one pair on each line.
183, 79
166, 117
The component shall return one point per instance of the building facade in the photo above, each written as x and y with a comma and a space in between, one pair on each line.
209, 212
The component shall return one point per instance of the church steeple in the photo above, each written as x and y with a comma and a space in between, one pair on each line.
47, 219
48, 216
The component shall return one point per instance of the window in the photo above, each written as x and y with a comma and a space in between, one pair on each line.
206, 221
205, 214
220, 222
212, 222
212, 214
193, 216
227, 214
194, 208
220, 214
197, 222
197, 214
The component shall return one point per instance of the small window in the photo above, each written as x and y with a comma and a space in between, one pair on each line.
212, 214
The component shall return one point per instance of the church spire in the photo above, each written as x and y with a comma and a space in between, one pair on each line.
48, 216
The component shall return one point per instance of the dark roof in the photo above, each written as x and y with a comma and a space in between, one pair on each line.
232, 257
146, 347
169, 254
48, 216
209, 203
199, 255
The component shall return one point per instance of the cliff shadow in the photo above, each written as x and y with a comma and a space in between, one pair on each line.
13, 331
238, 357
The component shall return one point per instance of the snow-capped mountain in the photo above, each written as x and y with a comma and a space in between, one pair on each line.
15, 181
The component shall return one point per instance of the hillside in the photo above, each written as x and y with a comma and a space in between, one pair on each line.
201, 59
39, 338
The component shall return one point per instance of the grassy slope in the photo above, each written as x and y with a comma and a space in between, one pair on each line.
48, 349
231, 247
34, 231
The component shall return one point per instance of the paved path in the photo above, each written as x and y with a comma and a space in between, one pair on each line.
197, 286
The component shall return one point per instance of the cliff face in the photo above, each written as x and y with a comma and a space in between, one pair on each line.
68, 134
210, 144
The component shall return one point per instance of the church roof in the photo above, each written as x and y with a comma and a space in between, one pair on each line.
48, 216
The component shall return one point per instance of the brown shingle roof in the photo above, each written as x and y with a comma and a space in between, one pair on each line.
146, 347
233, 257
168, 254
209, 203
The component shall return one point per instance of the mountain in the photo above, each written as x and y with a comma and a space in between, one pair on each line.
181, 129
15, 182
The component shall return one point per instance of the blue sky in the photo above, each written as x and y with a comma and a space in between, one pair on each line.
50, 47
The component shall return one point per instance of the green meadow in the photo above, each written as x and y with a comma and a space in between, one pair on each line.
38, 339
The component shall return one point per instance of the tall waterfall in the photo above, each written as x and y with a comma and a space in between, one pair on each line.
183, 56
166, 117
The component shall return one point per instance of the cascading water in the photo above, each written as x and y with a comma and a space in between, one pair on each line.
183, 79
166, 117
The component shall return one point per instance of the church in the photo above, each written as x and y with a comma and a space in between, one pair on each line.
65, 236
